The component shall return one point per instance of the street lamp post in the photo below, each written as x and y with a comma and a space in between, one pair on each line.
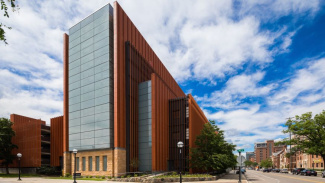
19, 155
180, 146
75, 165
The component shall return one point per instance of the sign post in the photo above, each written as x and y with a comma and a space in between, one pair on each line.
240, 163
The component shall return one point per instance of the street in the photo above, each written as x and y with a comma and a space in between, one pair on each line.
260, 177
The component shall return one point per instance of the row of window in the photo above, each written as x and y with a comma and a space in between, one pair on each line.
321, 165
90, 164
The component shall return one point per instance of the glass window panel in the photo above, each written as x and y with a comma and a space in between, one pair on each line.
74, 50
74, 85
102, 100
87, 142
104, 163
75, 136
87, 43
87, 50
87, 28
74, 143
102, 140
102, 67
102, 108
87, 127
86, 36
74, 107
100, 20
101, 92
90, 163
87, 73
97, 163
77, 165
87, 96
88, 80
101, 43
74, 64
74, 43
88, 119
73, 115
102, 132
74, 36
74, 78
102, 125
74, 100
101, 59
86, 21
87, 135
74, 71
100, 36
87, 65
99, 146
74, 122
87, 112
101, 83
87, 58
101, 51
83, 164
102, 75
88, 103
75, 129
87, 88
74, 57
100, 28
74, 28
74, 93
102, 116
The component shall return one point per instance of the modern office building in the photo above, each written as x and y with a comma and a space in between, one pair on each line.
250, 155
123, 111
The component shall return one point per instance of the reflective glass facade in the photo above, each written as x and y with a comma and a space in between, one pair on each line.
91, 82
145, 132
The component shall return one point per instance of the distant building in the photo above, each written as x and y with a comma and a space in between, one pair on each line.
250, 155
264, 150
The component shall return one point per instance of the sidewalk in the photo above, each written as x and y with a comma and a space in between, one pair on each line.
231, 177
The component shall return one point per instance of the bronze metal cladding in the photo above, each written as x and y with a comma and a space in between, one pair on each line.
65, 92
56, 140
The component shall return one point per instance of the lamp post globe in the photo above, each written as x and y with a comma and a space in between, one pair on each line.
180, 145
19, 155
75, 151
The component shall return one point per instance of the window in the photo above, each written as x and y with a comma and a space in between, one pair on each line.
90, 163
77, 161
312, 156
97, 163
316, 164
83, 164
104, 163
321, 164
316, 156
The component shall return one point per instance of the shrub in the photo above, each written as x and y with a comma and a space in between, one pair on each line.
135, 175
128, 176
123, 176
47, 170
103, 177
67, 175
109, 177
90, 176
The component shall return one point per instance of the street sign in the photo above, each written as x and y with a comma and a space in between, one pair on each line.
240, 150
241, 159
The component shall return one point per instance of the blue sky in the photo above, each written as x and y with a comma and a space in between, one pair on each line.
249, 64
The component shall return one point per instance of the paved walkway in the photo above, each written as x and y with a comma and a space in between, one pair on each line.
231, 177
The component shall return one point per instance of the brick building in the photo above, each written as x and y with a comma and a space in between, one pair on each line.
121, 105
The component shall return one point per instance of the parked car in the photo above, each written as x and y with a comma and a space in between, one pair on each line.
266, 170
323, 174
276, 170
308, 172
242, 171
297, 171
284, 170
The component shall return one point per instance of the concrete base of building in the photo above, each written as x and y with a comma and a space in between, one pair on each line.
15, 170
116, 162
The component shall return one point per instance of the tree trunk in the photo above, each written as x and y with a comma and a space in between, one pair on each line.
7, 169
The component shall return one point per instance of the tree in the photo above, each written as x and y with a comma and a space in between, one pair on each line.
212, 152
6, 133
4, 7
248, 163
267, 163
308, 134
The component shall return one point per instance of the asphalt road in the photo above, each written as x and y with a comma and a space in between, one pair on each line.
260, 177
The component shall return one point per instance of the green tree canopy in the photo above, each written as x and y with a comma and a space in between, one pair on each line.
4, 8
308, 134
6, 133
267, 163
212, 152
248, 163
